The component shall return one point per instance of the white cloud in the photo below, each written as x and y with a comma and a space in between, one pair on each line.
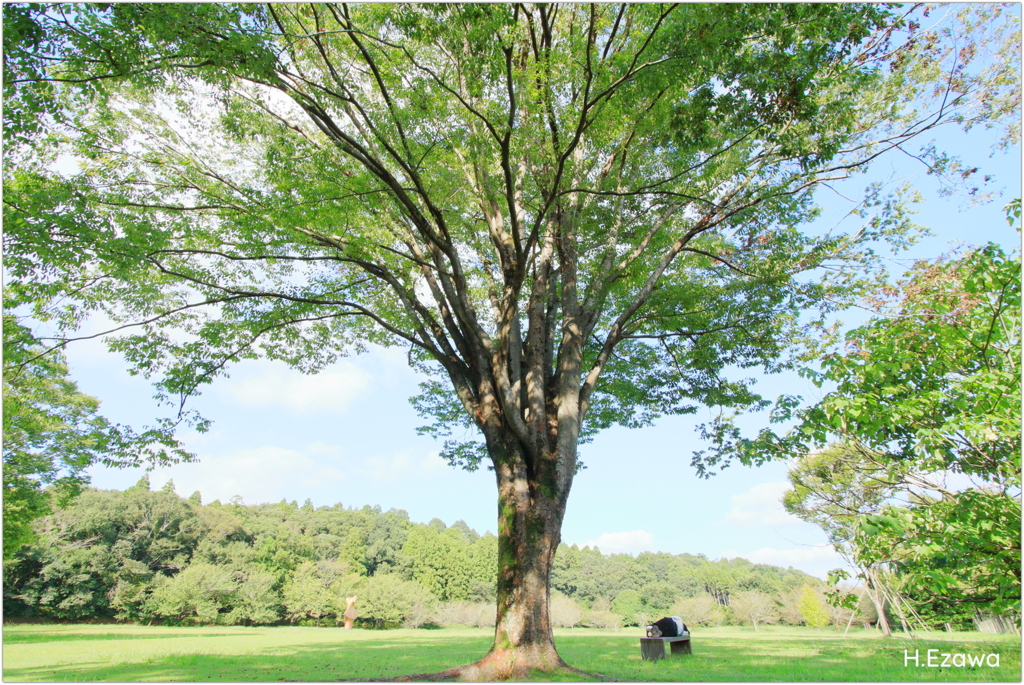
623, 543
321, 447
761, 506
793, 557
403, 464
257, 475
333, 389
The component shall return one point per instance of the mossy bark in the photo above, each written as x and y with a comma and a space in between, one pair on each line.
531, 506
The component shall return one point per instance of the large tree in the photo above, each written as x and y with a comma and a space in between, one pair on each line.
571, 215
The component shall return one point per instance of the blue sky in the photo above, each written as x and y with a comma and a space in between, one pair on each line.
348, 434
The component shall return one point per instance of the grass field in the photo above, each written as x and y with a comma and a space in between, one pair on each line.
63, 653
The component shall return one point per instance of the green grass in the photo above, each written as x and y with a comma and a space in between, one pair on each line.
126, 653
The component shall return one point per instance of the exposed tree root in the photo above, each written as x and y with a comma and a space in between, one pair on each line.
499, 665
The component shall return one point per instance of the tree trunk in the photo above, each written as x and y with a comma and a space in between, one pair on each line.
850, 622
529, 533
896, 602
878, 599
531, 506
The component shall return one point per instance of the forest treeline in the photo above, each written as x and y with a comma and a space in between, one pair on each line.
153, 556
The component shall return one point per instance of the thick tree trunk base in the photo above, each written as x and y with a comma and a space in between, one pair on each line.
502, 665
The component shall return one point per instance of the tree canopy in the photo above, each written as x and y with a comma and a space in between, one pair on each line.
572, 215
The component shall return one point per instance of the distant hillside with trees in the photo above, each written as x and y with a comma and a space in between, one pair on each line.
155, 557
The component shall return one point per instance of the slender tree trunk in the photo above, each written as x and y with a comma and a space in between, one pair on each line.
850, 622
896, 602
878, 599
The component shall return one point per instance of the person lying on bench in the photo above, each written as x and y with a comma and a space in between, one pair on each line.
671, 626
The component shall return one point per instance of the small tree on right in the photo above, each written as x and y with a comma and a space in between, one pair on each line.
926, 412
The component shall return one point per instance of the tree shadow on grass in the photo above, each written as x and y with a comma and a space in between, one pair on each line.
717, 659
386, 658
363, 660
34, 638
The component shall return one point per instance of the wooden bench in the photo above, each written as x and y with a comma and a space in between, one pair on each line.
653, 648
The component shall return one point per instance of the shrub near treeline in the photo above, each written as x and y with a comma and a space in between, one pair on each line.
152, 556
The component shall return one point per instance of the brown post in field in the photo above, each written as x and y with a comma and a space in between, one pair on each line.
350, 612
